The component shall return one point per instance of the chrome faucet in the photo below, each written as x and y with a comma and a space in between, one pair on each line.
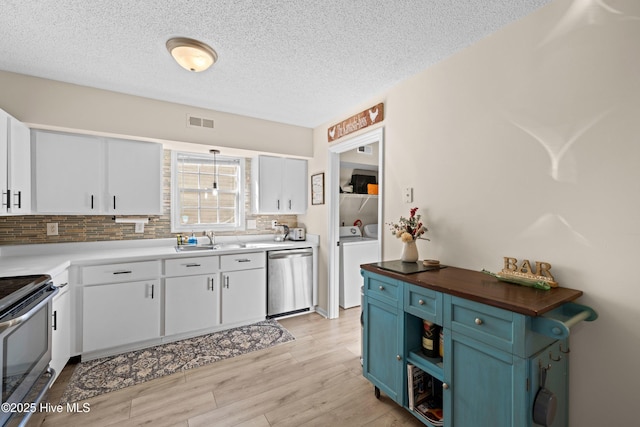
211, 236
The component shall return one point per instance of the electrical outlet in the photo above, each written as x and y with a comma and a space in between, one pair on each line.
52, 229
274, 223
139, 227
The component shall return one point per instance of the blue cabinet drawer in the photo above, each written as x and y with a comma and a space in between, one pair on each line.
490, 325
383, 288
423, 303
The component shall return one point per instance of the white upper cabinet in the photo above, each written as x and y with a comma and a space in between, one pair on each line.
15, 166
67, 173
279, 185
134, 177
84, 175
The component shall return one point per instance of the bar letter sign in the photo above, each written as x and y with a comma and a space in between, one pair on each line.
354, 123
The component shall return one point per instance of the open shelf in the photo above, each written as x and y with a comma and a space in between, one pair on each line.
431, 365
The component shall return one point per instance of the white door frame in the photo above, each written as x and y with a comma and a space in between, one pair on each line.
333, 185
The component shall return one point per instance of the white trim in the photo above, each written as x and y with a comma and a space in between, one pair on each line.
333, 203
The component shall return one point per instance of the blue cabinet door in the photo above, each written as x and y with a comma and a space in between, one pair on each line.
486, 387
382, 342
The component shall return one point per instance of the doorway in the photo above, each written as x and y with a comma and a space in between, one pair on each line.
333, 186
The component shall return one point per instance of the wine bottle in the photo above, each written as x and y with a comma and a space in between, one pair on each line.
430, 339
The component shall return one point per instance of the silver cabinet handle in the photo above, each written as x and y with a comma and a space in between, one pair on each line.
192, 265
479, 321
243, 260
421, 302
62, 285
210, 284
445, 386
8, 194
398, 357
153, 286
55, 321
381, 287
123, 272
226, 282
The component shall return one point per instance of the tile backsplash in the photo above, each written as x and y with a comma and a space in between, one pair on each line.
31, 229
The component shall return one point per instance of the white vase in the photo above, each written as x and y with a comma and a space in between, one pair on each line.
409, 252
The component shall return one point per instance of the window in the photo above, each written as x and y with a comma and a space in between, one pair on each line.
195, 206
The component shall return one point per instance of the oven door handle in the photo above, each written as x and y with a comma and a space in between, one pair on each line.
26, 316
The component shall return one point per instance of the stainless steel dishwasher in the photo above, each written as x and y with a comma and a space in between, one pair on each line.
290, 281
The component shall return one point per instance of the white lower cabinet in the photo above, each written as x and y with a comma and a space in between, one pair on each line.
119, 314
244, 296
61, 324
191, 303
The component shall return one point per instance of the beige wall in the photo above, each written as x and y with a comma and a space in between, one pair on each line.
526, 145
55, 105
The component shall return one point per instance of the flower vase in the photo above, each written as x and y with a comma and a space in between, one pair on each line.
409, 252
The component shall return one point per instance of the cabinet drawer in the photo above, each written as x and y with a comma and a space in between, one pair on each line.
383, 289
424, 303
491, 325
242, 261
125, 272
191, 266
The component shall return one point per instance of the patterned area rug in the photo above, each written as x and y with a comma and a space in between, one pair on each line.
107, 374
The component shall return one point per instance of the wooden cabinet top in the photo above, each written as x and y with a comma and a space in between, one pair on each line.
480, 287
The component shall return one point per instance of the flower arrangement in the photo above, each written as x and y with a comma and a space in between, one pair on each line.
409, 229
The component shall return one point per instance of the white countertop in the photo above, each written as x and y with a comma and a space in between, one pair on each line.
54, 258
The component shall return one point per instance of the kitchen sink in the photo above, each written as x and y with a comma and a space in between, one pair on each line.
194, 248
231, 245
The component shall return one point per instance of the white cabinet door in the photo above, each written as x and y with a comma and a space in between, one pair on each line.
15, 166
269, 184
68, 173
244, 296
191, 303
279, 185
134, 177
61, 335
4, 160
119, 314
19, 176
294, 186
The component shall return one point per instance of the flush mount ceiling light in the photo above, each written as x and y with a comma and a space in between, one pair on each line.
191, 54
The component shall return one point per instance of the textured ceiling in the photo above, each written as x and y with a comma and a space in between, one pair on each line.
299, 62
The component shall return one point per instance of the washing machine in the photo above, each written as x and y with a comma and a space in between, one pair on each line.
355, 249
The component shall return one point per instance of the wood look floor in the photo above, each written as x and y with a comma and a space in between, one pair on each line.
315, 380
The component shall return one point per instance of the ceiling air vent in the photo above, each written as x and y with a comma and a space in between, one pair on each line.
199, 122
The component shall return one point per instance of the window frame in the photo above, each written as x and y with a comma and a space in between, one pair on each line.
176, 225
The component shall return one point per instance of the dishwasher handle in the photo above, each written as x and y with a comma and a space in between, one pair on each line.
290, 254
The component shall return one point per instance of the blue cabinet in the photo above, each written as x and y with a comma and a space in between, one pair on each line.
382, 336
494, 357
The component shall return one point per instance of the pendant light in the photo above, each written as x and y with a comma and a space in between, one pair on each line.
192, 55
214, 191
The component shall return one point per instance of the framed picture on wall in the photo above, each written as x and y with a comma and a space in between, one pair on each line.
317, 189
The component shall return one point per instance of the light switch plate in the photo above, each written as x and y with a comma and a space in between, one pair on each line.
408, 195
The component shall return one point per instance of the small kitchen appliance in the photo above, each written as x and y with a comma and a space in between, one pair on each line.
297, 234
281, 232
